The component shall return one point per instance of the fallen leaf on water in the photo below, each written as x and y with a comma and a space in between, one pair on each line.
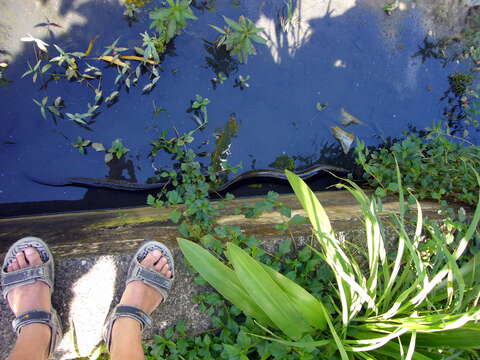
345, 138
112, 60
117, 61
90, 46
348, 118
138, 58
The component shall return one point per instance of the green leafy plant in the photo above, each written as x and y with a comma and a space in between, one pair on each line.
410, 304
200, 104
43, 106
117, 150
238, 37
81, 144
434, 166
170, 21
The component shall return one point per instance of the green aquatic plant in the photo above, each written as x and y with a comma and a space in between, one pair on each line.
435, 166
170, 21
117, 150
411, 305
238, 37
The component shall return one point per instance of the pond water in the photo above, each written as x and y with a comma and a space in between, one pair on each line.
347, 54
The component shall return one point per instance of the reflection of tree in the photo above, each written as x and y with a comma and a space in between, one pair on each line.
220, 60
117, 167
456, 96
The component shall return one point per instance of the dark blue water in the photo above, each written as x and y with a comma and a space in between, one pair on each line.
347, 61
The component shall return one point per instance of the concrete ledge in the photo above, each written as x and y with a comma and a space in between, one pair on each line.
93, 249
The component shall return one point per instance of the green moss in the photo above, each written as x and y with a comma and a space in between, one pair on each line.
460, 82
283, 162
123, 220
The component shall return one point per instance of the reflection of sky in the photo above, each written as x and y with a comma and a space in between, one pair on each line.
337, 55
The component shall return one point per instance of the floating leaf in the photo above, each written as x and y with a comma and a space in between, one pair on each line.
58, 102
45, 68
345, 138
147, 87
98, 95
108, 157
112, 96
98, 146
53, 110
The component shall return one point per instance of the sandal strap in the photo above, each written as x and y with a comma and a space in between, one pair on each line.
152, 278
25, 276
40, 317
131, 312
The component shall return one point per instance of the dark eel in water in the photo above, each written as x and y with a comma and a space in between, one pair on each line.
128, 186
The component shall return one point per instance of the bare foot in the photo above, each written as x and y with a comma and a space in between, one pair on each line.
34, 296
143, 296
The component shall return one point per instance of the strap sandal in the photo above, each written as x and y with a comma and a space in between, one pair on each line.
138, 272
44, 272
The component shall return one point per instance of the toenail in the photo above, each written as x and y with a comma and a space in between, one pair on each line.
157, 253
29, 251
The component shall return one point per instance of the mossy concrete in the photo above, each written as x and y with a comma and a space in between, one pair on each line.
92, 251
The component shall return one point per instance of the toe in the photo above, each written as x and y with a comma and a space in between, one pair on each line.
22, 261
159, 265
168, 274
32, 256
9, 268
15, 265
165, 270
151, 258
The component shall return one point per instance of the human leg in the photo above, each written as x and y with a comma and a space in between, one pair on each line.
126, 332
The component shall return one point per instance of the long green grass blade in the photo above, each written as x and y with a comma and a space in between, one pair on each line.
267, 294
467, 337
222, 278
